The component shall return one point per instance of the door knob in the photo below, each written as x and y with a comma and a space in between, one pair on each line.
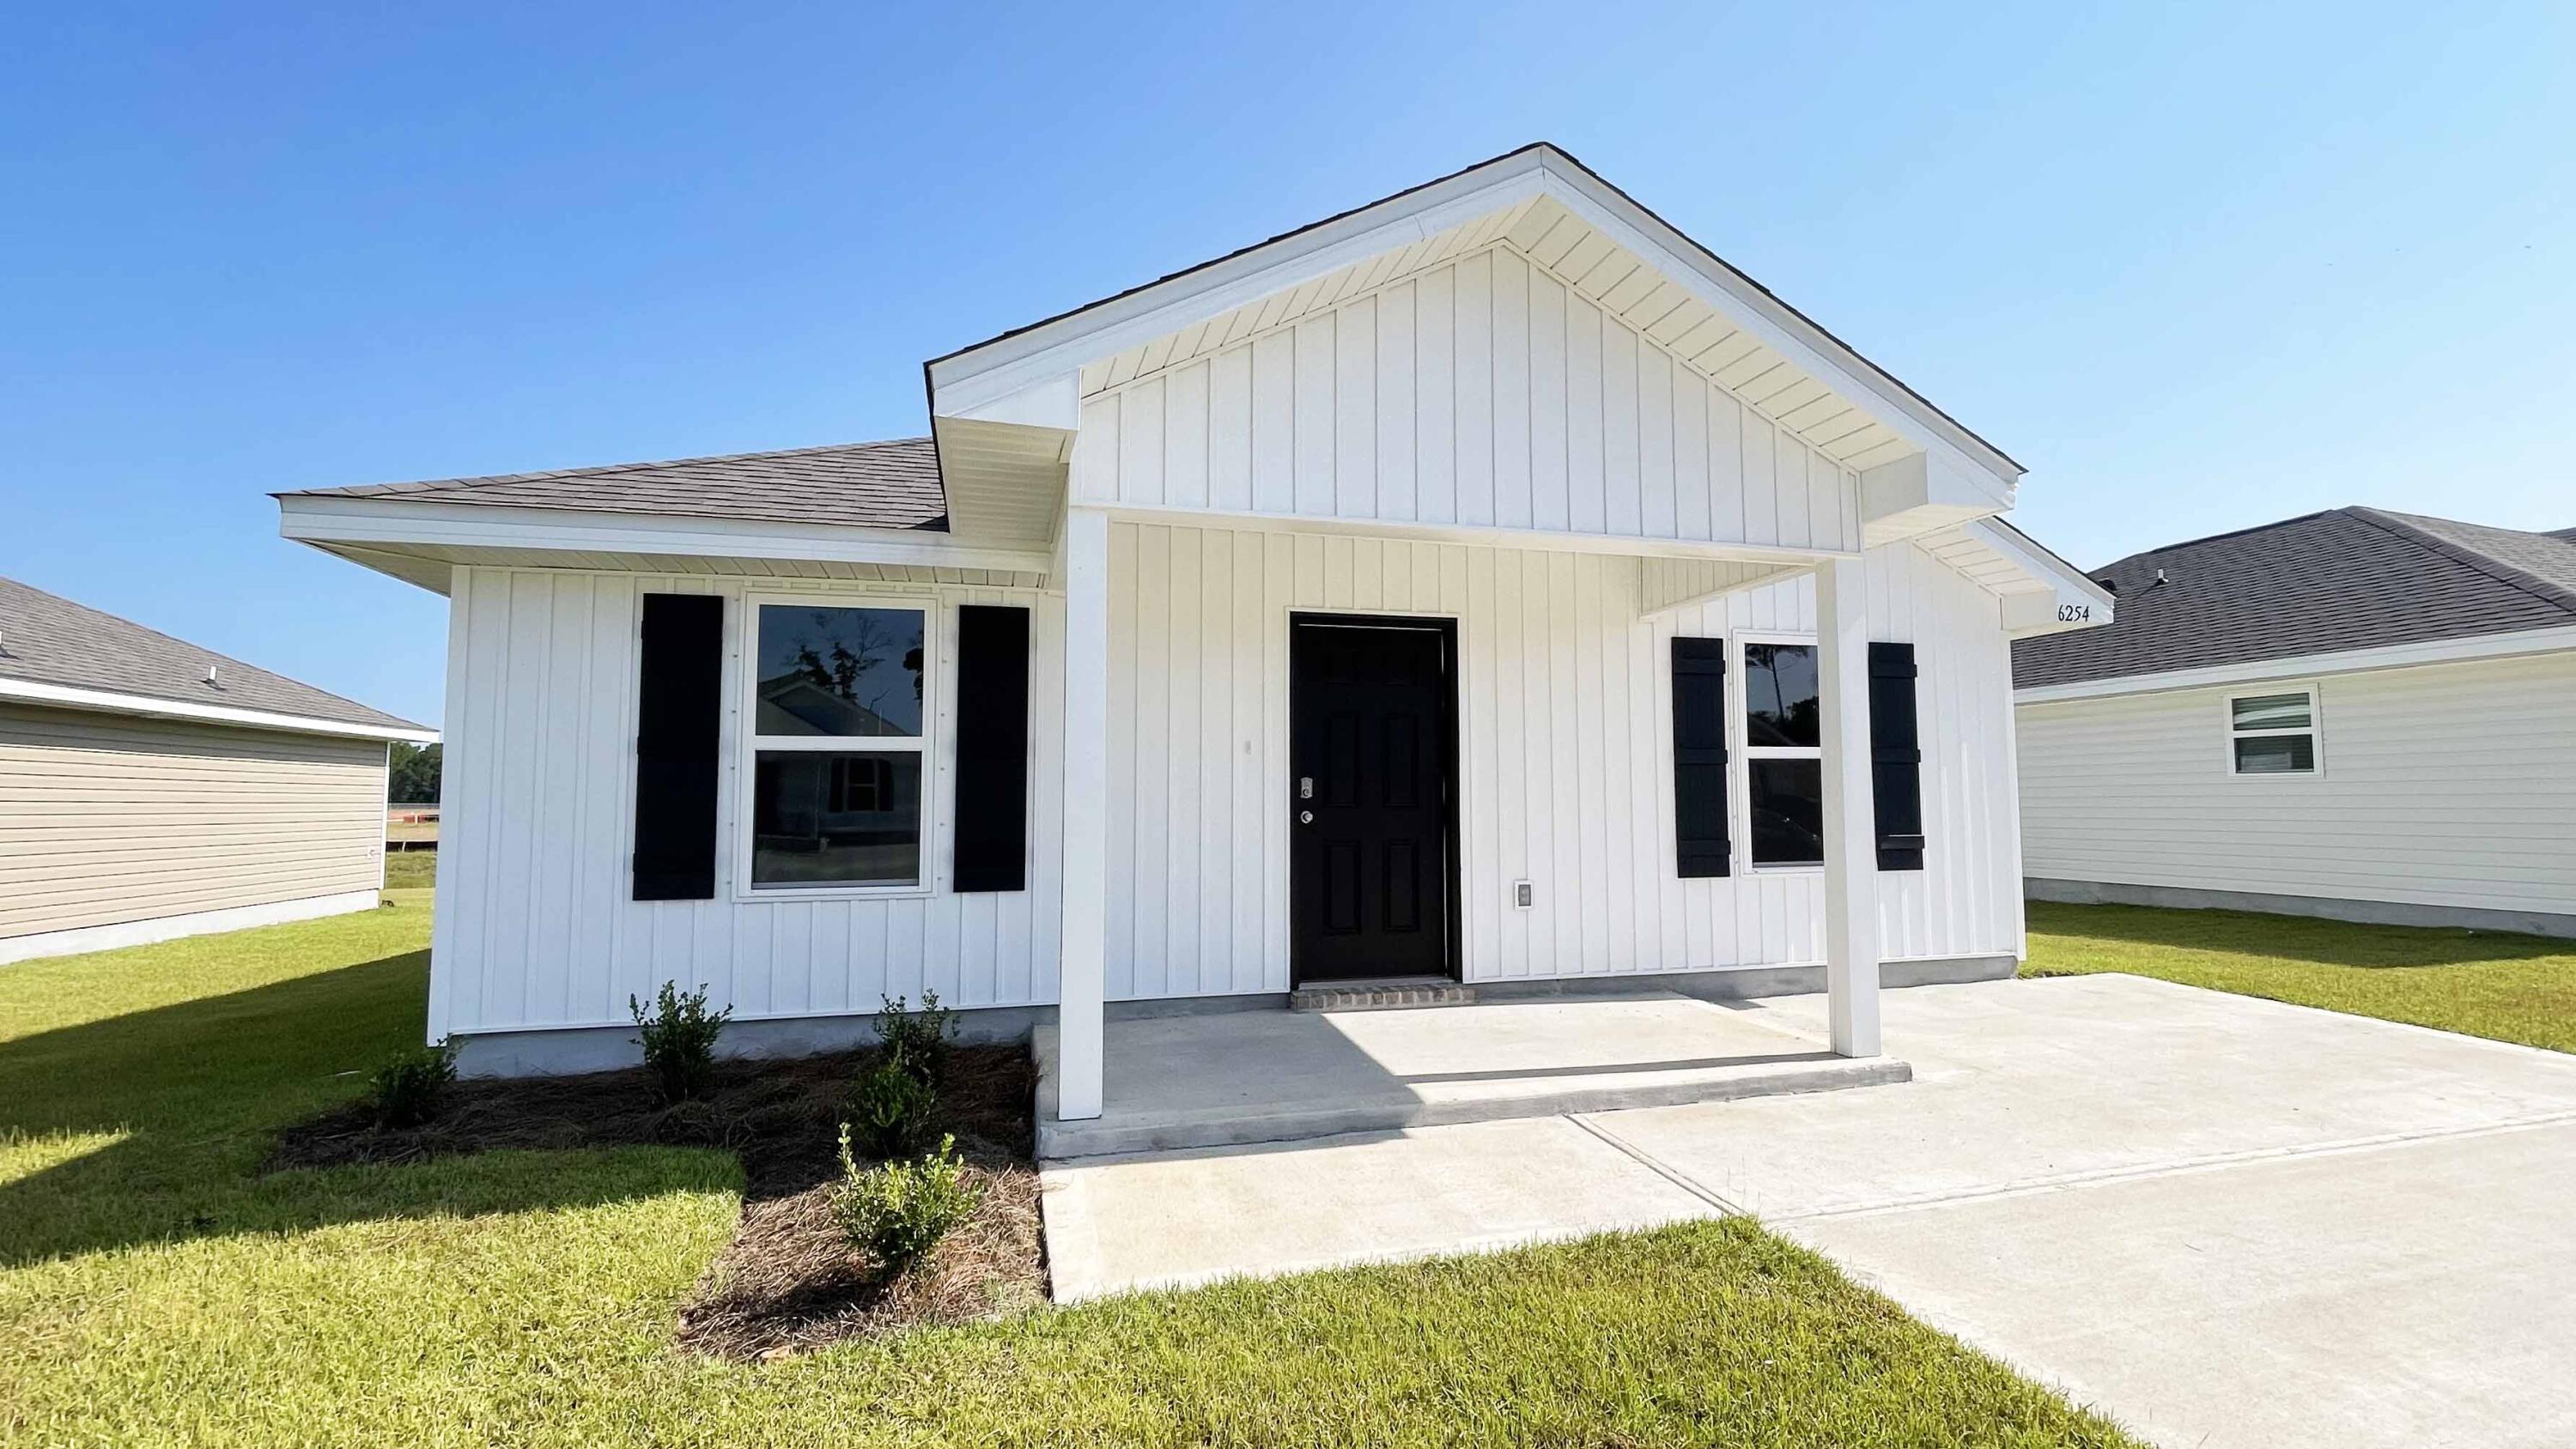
1305, 817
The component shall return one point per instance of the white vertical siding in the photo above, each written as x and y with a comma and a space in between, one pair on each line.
1565, 762
1482, 392
536, 926
2445, 785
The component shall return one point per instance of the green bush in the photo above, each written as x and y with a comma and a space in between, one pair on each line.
406, 1090
918, 1039
679, 1040
895, 1213
890, 1108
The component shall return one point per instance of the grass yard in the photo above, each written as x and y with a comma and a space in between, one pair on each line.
2491, 984
155, 1288
410, 869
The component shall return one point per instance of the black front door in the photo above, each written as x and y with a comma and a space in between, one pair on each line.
1372, 751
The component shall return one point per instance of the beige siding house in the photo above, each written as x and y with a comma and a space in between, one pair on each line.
2355, 714
150, 789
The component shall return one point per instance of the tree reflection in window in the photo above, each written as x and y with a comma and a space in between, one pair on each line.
840, 672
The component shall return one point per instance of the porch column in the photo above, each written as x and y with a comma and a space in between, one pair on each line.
1082, 964
1851, 831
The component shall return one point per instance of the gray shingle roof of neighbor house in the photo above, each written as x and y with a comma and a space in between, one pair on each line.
892, 484
2347, 578
48, 639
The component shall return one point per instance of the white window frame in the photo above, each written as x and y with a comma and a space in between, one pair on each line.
1740, 736
752, 744
2315, 730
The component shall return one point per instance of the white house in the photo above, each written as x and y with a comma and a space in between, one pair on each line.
2356, 714
1487, 584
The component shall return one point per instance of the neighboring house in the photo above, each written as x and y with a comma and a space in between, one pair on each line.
2357, 714
1486, 584
150, 789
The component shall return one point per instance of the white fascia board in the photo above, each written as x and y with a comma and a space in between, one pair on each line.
1778, 326
2299, 666
1486, 535
980, 376
2042, 566
396, 522
107, 701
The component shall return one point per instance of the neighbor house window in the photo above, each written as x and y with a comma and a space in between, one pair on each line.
2272, 734
1784, 758
837, 738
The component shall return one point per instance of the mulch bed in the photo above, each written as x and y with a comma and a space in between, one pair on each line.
787, 1283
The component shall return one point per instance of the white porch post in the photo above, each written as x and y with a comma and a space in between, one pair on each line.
1851, 830
1083, 964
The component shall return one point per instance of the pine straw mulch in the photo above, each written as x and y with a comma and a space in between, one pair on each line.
787, 1283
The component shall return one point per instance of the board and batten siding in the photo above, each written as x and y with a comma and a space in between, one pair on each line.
2443, 785
1483, 392
1566, 745
536, 925
110, 819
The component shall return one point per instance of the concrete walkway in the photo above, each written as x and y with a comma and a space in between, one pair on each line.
2223, 1220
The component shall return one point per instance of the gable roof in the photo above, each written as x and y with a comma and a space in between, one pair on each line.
1503, 186
64, 653
890, 484
2323, 583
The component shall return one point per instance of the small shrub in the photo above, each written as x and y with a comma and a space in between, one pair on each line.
890, 1108
919, 1040
679, 1040
407, 1090
896, 1212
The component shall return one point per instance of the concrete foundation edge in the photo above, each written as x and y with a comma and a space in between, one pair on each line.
2367, 913
565, 1051
117, 935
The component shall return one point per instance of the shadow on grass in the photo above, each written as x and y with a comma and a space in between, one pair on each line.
198, 1091
2291, 938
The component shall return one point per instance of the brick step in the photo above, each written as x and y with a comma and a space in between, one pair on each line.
1388, 995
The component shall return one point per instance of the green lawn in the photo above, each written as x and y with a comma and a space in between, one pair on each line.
155, 1289
2485, 983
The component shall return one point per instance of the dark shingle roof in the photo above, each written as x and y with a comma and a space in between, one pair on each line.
48, 639
2348, 578
892, 484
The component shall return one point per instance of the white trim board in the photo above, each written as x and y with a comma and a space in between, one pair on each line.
396, 522
63, 696
2302, 666
119, 934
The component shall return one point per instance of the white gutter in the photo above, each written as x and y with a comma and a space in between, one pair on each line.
65, 696
2297, 666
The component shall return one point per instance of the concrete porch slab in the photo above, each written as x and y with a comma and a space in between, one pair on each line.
1238, 1078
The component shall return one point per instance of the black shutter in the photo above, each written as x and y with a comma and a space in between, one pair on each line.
992, 821
1895, 757
1699, 756
679, 703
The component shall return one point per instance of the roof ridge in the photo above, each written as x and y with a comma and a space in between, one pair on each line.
593, 470
2486, 563
2212, 538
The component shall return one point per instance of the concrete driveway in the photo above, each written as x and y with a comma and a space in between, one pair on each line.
2222, 1220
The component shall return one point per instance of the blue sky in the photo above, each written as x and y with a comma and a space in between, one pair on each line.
2197, 266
